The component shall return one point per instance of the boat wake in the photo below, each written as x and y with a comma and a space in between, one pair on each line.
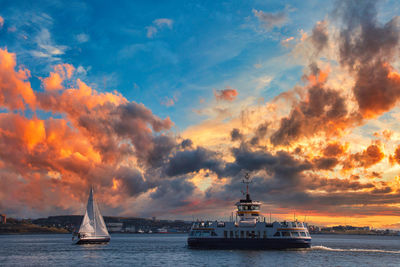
355, 250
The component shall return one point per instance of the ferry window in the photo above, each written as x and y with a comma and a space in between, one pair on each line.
221, 224
277, 234
205, 233
252, 234
247, 234
213, 233
245, 207
265, 235
299, 224
241, 234
285, 233
198, 233
192, 233
295, 234
256, 207
225, 234
202, 224
258, 234
302, 233
231, 234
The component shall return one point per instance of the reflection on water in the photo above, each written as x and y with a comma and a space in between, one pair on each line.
171, 250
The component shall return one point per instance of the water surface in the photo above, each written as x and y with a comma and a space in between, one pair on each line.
171, 250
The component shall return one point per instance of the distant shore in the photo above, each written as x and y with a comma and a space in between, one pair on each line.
30, 229
356, 232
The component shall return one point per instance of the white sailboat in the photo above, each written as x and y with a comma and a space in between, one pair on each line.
93, 230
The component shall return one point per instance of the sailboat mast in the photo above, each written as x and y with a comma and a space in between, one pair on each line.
94, 210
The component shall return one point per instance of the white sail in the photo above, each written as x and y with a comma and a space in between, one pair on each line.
93, 224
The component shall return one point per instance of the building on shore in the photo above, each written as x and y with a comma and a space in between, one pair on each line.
3, 219
114, 226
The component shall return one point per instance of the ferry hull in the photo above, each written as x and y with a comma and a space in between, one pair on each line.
241, 243
92, 241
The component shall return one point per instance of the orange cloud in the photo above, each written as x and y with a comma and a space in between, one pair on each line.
227, 94
367, 158
15, 89
396, 157
56, 78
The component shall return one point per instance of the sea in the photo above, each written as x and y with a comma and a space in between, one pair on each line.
171, 250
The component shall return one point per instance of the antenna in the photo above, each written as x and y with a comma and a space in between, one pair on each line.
247, 181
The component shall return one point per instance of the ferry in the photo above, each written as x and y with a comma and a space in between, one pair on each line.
249, 231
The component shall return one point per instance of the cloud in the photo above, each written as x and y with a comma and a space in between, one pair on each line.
151, 31
236, 135
47, 48
299, 148
396, 157
1, 22
367, 48
56, 78
169, 102
188, 161
86, 146
270, 20
334, 150
228, 94
82, 38
163, 22
322, 109
319, 36
15, 89
157, 25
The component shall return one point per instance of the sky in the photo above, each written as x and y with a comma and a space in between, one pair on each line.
163, 106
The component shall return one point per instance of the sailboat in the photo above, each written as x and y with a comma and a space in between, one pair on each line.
93, 230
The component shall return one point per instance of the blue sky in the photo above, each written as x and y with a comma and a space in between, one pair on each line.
168, 55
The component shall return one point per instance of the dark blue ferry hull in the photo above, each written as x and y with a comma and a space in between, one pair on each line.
244, 243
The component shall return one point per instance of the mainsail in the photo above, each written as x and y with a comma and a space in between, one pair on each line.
93, 224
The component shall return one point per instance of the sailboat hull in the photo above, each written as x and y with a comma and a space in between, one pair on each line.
92, 240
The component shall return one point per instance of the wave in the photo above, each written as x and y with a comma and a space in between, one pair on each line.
355, 250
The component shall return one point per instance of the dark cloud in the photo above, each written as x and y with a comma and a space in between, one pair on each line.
162, 147
282, 164
187, 161
236, 135
260, 133
323, 109
187, 143
333, 150
325, 163
132, 180
367, 48
319, 36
